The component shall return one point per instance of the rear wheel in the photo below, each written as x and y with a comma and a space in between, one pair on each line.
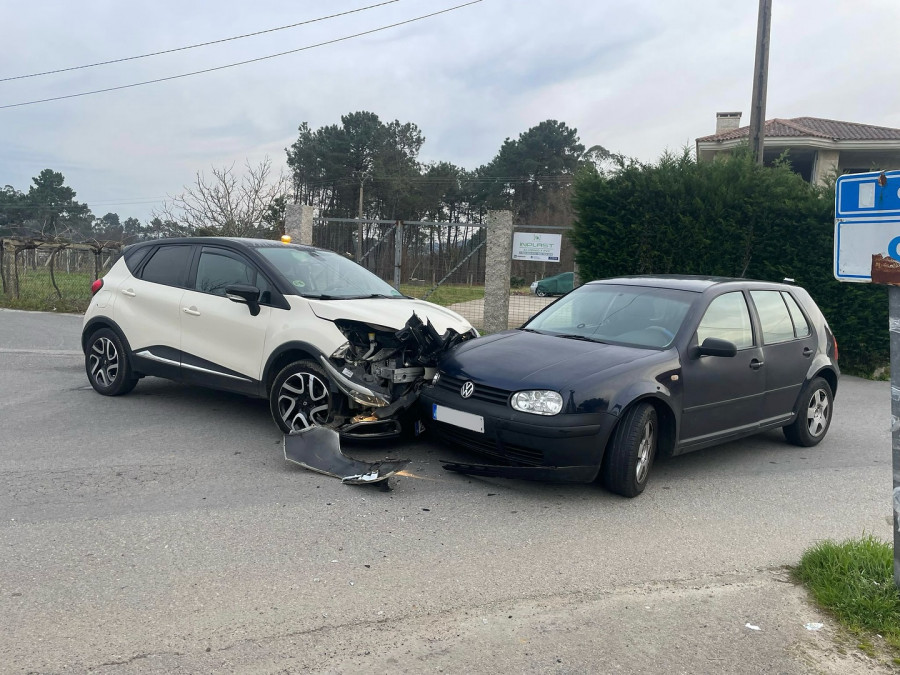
300, 397
626, 467
107, 365
813, 415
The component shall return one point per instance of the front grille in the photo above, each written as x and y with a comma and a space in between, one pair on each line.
472, 440
482, 392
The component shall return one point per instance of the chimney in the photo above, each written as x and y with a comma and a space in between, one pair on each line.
726, 121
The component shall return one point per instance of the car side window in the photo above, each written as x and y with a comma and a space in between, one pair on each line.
216, 271
801, 325
777, 325
168, 266
727, 318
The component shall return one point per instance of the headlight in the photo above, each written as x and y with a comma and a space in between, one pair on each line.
540, 402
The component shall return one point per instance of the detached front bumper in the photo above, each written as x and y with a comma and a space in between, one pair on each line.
562, 448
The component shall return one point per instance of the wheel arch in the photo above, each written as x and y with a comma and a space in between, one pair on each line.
830, 377
282, 356
666, 420
97, 323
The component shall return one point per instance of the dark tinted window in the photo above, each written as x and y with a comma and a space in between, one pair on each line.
134, 257
216, 272
167, 266
777, 325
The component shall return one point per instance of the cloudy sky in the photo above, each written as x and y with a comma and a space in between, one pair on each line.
636, 76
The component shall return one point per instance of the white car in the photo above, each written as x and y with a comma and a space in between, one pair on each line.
324, 339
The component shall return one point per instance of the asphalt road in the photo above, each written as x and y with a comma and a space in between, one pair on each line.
163, 531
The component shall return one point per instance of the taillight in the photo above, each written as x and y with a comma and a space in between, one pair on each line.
835, 348
96, 286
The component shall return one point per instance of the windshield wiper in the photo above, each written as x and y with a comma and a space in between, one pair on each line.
576, 336
321, 296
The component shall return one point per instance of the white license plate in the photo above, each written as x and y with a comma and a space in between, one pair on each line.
458, 418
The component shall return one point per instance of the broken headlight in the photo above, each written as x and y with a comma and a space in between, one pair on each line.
537, 402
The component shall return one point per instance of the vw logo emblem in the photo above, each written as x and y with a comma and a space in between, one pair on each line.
467, 390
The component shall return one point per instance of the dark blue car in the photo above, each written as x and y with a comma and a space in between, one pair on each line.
618, 370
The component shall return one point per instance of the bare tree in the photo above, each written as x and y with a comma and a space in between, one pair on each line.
227, 204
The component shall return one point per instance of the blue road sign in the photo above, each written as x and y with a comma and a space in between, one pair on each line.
860, 195
867, 228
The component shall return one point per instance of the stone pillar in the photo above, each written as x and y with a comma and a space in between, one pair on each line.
497, 271
298, 223
826, 164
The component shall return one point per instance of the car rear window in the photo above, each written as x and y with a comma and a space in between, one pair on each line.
134, 257
801, 325
777, 325
167, 266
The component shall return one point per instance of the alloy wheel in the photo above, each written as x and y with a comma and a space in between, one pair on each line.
303, 401
817, 413
104, 362
645, 452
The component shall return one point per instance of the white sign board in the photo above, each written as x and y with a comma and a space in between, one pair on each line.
867, 228
536, 246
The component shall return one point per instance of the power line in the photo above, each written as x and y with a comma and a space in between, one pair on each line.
242, 63
202, 44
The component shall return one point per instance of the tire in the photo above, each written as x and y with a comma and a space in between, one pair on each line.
107, 365
632, 449
813, 415
541, 293
301, 397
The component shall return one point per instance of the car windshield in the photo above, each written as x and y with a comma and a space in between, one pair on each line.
326, 275
638, 316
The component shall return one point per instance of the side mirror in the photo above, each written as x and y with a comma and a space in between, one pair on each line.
245, 295
717, 347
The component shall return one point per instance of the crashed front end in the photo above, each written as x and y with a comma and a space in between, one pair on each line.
381, 372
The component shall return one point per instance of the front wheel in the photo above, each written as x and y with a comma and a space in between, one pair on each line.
107, 365
813, 415
541, 293
300, 397
632, 449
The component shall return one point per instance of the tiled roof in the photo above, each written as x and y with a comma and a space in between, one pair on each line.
814, 127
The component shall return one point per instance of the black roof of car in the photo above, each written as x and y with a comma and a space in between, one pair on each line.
237, 241
683, 282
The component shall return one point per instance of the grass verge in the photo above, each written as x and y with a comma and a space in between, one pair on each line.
36, 291
854, 580
444, 295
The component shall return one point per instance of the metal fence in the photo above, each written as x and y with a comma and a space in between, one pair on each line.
444, 263
37, 274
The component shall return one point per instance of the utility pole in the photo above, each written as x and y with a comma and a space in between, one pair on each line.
359, 226
760, 77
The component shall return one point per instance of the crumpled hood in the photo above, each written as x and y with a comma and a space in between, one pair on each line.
517, 359
390, 313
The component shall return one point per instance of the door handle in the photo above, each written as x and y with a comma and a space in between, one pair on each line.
756, 364
193, 311
129, 292
807, 352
